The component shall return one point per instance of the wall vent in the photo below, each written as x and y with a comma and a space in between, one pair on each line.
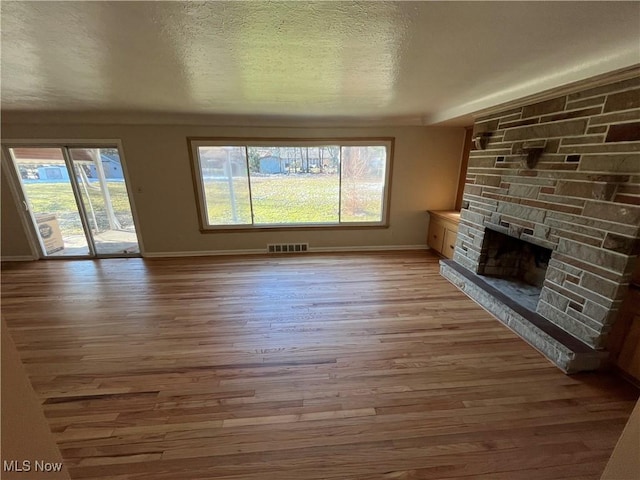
287, 247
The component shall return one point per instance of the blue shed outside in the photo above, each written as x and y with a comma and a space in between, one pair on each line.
111, 166
270, 165
53, 172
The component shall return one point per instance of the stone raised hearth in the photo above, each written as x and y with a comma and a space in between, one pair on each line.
567, 352
580, 200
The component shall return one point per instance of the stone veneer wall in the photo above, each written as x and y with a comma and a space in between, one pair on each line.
582, 199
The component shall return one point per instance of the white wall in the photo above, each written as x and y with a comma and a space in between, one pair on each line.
425, 174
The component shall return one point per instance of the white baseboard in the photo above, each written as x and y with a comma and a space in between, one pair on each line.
256, 251
203, 253
376, 248
18, 258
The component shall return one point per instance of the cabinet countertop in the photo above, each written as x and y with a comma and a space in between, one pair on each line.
450, 215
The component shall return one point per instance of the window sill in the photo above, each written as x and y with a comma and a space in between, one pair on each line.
292, 228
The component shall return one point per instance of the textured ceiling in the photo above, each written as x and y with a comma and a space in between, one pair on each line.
411, 62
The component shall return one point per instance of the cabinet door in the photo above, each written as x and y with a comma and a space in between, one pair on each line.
436, 235
449, 243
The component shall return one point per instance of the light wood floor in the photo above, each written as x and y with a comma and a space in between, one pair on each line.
296, 367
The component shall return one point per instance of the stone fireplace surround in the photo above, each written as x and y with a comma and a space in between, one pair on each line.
581, 201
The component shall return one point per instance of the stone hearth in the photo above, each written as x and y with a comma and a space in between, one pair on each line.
567, 352
580, 200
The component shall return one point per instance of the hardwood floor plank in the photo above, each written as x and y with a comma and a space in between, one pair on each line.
305, 367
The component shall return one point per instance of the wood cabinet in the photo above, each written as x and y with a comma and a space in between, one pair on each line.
436, 235
443, 229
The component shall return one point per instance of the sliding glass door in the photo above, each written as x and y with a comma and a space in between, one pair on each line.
104, 196
77, 200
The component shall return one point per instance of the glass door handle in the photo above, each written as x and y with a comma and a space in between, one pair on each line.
26, 205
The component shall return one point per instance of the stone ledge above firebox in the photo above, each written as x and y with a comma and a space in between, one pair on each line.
567, 352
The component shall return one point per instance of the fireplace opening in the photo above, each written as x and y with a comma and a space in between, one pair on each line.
514, 266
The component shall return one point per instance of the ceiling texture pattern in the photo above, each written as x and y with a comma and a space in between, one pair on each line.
402, 62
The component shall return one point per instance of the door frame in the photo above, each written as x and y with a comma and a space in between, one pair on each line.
19, 195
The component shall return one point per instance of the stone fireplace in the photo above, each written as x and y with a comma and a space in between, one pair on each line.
558, 232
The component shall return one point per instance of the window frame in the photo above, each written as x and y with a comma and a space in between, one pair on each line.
196, 172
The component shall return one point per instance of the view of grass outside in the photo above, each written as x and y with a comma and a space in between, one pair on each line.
276, 199
57, 198
221, 210
284, 185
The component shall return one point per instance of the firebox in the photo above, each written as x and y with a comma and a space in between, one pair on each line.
515, 267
